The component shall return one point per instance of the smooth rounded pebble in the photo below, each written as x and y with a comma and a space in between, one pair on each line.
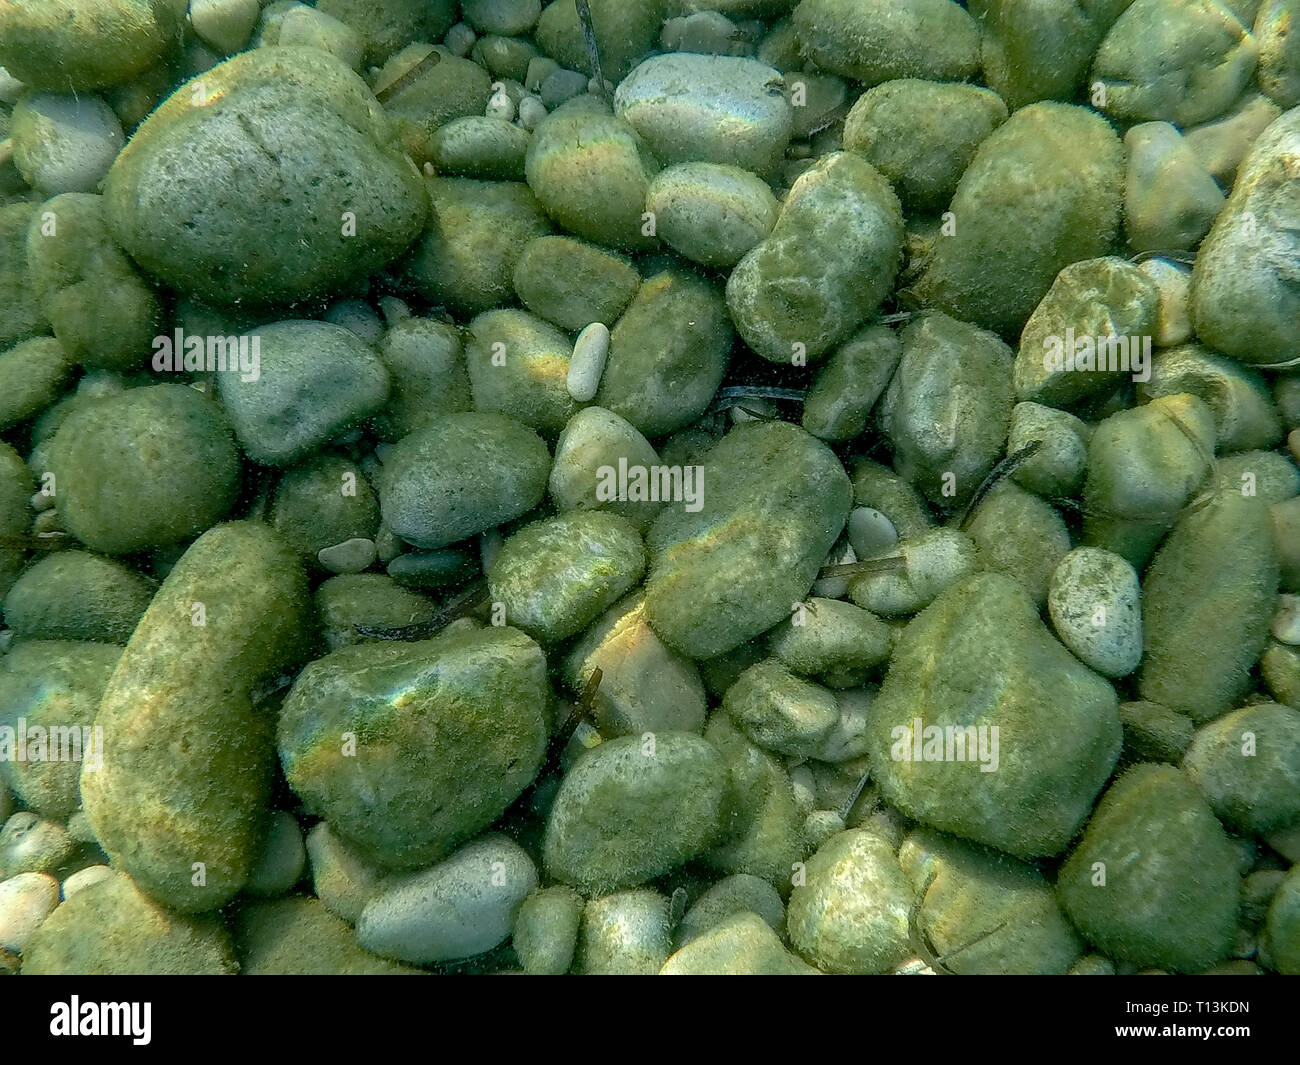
25, 901
65, 143
1096, 606
588, 363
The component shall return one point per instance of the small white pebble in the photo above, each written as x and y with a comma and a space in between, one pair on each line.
531, 112
351, 556
500, 106
588, 363
40, 501
83, 878
429, 170
871, 532
25, 901
1286, 619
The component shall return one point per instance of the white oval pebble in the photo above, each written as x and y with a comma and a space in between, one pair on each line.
83, 878
10, 88
281, 862
351, 556
1095, 602
25, 901
871, 532
588, 363
460, 907
75, 140
1286, 619
460, 39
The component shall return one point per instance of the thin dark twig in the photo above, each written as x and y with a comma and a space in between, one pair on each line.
593, 49
1003, 469
460, 605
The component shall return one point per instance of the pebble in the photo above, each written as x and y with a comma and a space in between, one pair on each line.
1286, 620
460, 39
1174, 290
627, 933
531, 112
279, 867
26, 900
341, 880
224, 24
587, 365
84, 878
545, 935
64, 143
1096, 607
742, 945
351, 556
870, 532
1170, 201
462, 906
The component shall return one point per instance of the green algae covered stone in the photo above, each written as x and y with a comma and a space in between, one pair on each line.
984, 912
851, 915
32, 375
1058, 735
465, 259
323, 502
1040, 50
1042, 191
1247, 764
375, 599
440, 91
922, 134
21, 316
850, 381
460, 475
572, 283
112, 928
624, 33
102, 312
1154, 880
770, 492
300, 937
877, 40
386, 25
555, 577
15, 513
632, 808
1244, 296
272, 142
667, 353
741, 945
1207, 600
187, 759
53, 685
117, 497
948, 406
519, 366
828, 263
546, 930
74, 595
762, 821
70, 45
409, 749
592, 172
780, 711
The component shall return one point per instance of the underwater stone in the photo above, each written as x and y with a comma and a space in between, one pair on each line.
1244, 295
77, 596
554, 577
572, 284
708, 109
828, 263
545, 934
1207, 600
462, 474
1058, 729
300, 937
773, 492
876, 40
462, 906
64, 143
100, 309
624, 33
848, 384
1170, 893
628, 933
711, 213
1095, 603
741, 945
306, 150
117, 497
1052, 175
1247, 764
113, 929
922, 135
947, 407
781, 712
596, 439
182, 696
633, 808
519, 366
644, 686
1170, 200
447, 733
